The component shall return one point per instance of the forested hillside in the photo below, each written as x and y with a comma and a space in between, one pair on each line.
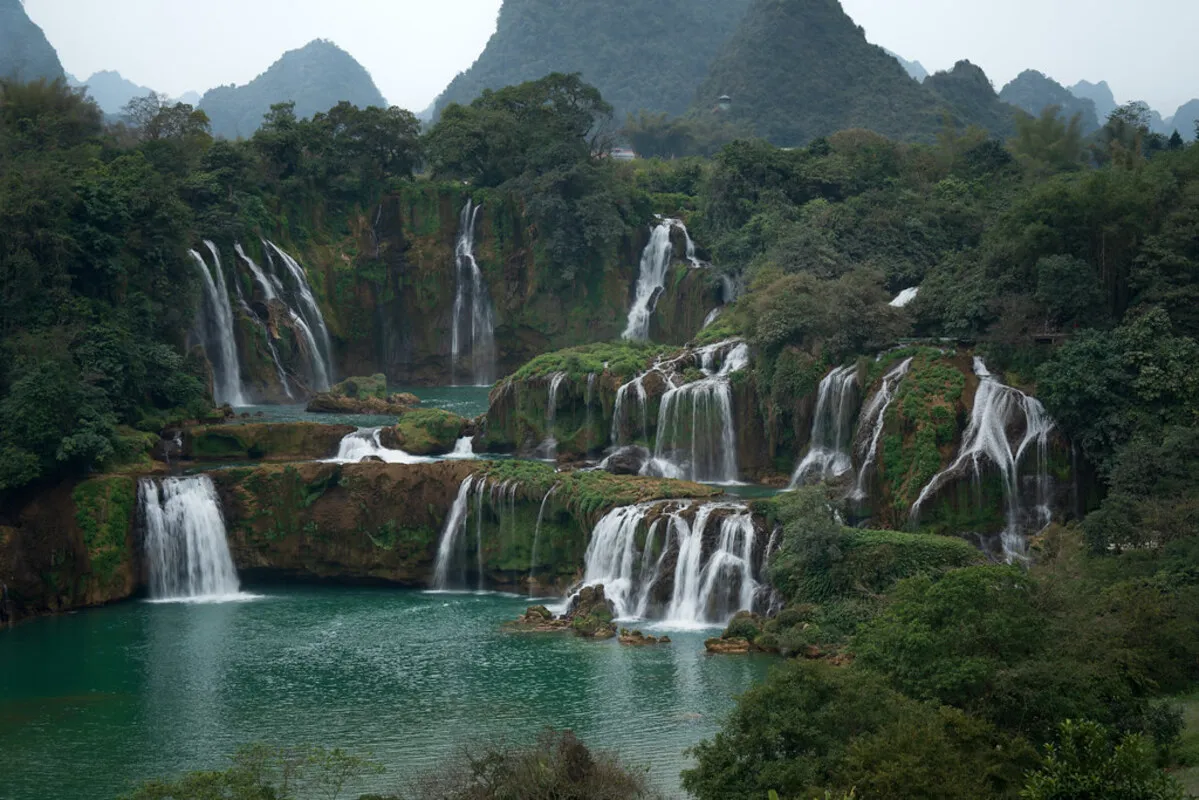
639, 54
25, 54
315, 78
796, 70
1033, 91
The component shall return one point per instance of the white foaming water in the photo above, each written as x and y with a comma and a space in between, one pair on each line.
320, 375
832, 429
315, 329
473, 329
226, 376
464, 449
711, 580
637, 388
996, 408
548, 449
270, 285
365, 443
874, 417
651, 276
185, 541
713, 315
906, 296
280, 373
451, 532
696, 435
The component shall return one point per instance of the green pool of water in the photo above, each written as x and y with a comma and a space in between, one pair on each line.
92, 702
466, 401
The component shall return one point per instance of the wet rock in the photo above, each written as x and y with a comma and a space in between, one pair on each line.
727, 646
538, 619
626, 461
639, 639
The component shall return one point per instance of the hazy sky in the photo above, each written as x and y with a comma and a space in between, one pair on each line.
413, 48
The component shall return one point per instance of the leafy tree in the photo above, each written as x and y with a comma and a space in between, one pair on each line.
1083, 765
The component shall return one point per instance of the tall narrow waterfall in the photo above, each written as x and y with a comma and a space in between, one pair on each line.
219, 339
313, 321
473, 332
269, 284
832, 429
549, 446
874, 419
280, 373
998, 409
713, 575
457, 559
696, 437
185, 540
651, 276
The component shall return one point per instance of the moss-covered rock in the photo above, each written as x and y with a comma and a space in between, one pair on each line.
425, 432
71, 546
281, 441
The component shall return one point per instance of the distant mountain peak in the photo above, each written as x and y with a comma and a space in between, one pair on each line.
1035, 91
315, 77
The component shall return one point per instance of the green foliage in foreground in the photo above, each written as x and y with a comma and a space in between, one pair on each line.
1084, 764
622, 359
556, 767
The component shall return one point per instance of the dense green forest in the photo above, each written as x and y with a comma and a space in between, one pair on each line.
938, 676
641, 55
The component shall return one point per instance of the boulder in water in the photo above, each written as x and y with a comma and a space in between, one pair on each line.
639, 639
425, 432
538, 619
626, 460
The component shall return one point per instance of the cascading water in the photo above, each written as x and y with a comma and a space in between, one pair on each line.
874, 419
365, 443
548, 449
280, 373
905, 297
185, 540
637, 388
651, 276
455, 556
473, 331
270, 285
713, 577
537, 536
309, 313
219, 330
998, 408
464, 449
696, 437
451, 534
832, 429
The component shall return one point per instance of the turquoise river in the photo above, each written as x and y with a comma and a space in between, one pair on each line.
92, 702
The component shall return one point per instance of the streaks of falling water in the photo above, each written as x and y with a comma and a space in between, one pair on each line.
651, 276
473, 328
996, 408
309, 313
186, 545
548, 449
537, 536
828, 454
226, 377
874, 418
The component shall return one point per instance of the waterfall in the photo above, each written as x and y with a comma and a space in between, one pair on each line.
906, 296
874, 418
651, 279
473, 330
313, 320
713, 577
320, 374
464, 449
537, 535
588, 401
548, 449
226, 377
270, 285
713, 315
637, 385
185, 540
832, 429
712, 589
998, 408
451, 533
364, 444
280, 373
696, 437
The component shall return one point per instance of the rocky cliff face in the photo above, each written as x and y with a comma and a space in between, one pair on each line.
25, 53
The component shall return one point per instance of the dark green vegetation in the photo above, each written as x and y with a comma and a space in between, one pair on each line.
25, 54
944, 678
557, 765
315, 77
640, 54
800, 69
